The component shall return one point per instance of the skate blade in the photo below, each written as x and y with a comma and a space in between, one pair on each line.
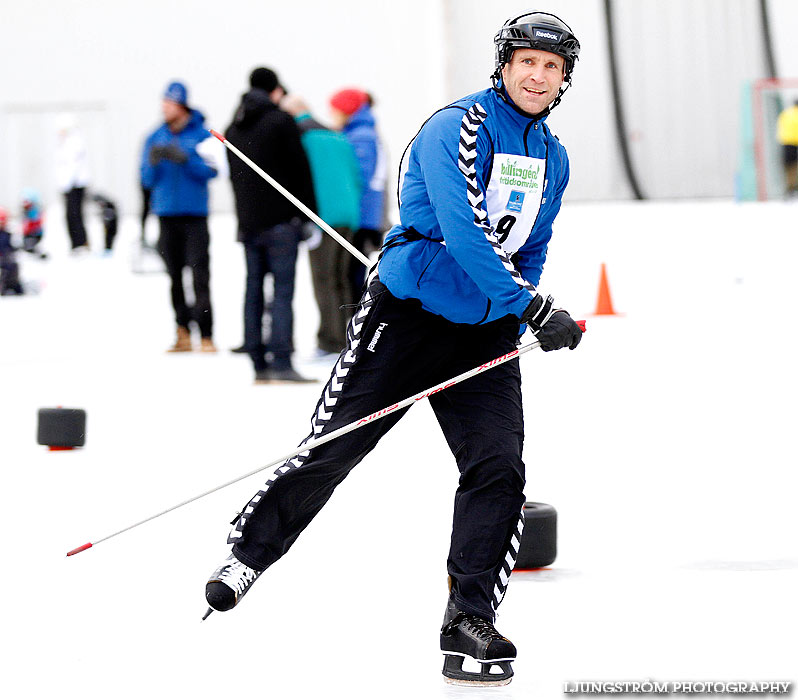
477, 683
454, 674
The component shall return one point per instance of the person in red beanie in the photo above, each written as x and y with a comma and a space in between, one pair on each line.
345, 103
352, 115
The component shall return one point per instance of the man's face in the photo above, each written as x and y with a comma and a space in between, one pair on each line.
277, 94
172, 111
338, 118
533, 78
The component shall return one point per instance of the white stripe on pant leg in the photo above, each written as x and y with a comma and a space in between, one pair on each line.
500, 590
324, 410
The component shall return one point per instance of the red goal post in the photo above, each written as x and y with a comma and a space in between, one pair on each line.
764, 128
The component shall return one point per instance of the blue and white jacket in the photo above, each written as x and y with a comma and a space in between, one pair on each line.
478, 192
180, 189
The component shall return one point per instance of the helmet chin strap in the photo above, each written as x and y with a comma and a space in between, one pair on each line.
496, 80
560, 93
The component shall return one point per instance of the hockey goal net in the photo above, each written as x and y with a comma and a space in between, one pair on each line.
769, 96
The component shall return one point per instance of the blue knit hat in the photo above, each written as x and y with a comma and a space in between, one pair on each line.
177, 92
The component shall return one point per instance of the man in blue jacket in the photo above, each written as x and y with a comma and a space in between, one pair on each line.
176, 164
456, 283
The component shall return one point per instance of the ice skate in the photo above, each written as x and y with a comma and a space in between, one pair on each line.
228, 584
474, 641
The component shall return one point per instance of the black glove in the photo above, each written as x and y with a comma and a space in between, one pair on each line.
170, 152
155, 155
175, 154
560, 331
538, 312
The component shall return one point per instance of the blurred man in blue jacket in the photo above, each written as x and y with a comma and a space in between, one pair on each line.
176, 165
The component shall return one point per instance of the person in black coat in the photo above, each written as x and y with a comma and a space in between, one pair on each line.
269, 226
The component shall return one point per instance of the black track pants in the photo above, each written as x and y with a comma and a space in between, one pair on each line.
396, 349
74, 216
184, 242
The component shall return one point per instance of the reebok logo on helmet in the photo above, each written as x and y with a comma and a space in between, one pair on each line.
546, 34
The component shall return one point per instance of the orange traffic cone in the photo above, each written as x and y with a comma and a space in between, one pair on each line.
604, 303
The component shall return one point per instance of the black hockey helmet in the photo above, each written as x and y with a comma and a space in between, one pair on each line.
536, 30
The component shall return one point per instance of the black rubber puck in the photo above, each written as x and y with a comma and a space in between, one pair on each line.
62, 427
539, 538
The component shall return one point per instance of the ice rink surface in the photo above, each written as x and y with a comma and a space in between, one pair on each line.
665, 441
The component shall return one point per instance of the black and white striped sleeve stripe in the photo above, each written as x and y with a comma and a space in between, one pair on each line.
466, 160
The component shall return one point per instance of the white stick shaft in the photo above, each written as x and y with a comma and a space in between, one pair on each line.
311, 215
354, 425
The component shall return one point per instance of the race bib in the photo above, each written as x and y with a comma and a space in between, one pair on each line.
514, 196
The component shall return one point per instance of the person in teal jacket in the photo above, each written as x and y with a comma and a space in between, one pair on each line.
336, 183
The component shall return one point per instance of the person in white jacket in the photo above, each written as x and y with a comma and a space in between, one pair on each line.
72, 176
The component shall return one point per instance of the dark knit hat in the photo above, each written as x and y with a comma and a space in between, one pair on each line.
264, 78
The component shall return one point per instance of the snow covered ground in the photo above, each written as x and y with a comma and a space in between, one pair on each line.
665, 442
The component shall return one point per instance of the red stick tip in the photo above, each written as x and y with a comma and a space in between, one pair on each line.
582, 325
80, 549
217, 135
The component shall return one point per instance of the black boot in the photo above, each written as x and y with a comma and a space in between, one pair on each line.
465, 636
